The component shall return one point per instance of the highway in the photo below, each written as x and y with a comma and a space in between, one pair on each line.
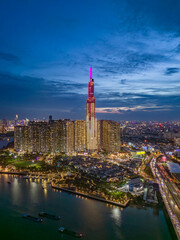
169, 195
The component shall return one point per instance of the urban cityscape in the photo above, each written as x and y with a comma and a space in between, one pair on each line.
90, 123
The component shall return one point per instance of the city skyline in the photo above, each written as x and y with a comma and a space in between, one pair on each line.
65, 135
90, 119
45, 59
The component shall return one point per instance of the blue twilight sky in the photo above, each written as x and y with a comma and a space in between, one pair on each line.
47, 47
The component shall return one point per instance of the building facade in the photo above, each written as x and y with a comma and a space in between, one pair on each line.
80, 135
109, 136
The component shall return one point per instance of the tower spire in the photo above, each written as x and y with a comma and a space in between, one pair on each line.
90, 72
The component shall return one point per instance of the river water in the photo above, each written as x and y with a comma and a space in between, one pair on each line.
5, 141
95, 219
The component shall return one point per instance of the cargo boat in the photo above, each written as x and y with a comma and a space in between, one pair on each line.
34, 219
69, 232
51, 216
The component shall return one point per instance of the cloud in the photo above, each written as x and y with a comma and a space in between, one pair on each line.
142, 15
31, 85
65, 86
123, 81
120, 110
32, 96
9, 57
172, 70
134, 51
131, 61
20, 91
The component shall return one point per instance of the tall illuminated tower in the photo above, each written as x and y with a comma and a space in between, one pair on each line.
91, 121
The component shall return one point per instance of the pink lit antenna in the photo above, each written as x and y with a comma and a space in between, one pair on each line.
91, 73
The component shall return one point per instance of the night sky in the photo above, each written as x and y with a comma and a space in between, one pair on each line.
48, 46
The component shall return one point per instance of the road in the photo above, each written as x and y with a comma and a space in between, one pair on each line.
169, 195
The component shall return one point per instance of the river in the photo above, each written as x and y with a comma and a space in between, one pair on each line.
5, 141
95, 219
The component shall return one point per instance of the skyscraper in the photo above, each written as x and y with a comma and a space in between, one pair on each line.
91, 121
16, 120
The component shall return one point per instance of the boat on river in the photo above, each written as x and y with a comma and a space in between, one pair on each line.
34, 219
69, 232
50, 216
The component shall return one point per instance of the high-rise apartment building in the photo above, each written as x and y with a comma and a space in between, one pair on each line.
109, 138
70, 136
18, 138
33, 138
80, 135
39, 134
62, 135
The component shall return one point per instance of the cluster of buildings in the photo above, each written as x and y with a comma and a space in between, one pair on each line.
96, 167
152, 136
134, 185
155, 131
69, 136
66, 136
8, 125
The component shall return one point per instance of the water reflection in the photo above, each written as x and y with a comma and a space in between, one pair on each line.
16, 192
45, 193
116, 215
34, 192
90, 210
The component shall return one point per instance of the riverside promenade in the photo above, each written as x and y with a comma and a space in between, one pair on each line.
91, 197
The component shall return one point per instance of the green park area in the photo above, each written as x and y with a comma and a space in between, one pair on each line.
27, 162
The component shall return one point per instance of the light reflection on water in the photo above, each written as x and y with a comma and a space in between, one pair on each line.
34, 192
117, 219
116, 215
16, 192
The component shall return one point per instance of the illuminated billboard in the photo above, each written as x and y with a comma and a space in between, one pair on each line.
140, 153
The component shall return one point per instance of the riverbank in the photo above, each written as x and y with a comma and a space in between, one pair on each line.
73, 192
14, 173
69, 190
91, 197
